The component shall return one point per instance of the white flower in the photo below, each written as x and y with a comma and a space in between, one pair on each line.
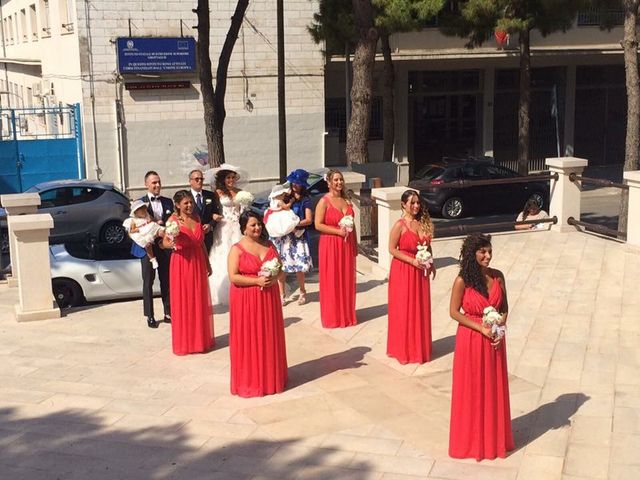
244, 198
346, 222
172, 229
207, 201
424, 255
493, 319
270, 268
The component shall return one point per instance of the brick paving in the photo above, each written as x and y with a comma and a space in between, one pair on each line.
98, 395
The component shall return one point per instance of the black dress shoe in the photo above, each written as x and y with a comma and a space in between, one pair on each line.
151, 322
167, 319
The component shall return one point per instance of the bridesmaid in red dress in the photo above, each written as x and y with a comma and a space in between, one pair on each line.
409, 331
256, 330
480, 414
191, 312
336, 256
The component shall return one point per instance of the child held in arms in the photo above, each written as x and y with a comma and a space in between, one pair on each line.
143, 230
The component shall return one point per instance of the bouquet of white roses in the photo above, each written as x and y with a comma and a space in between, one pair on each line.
172, 230
424, 257
346, 223
244, 198
492, 319
270, 268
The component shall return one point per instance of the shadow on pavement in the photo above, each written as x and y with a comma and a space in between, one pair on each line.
442, 346
366, 314
72, 444
550, 416
319, 367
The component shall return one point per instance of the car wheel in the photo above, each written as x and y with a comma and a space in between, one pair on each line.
112, 233
453, 208
538, 198
67, 292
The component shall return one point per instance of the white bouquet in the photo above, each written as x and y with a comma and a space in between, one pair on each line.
424, 257
346, 223
493, 319
172, 229
270, 268
244, 198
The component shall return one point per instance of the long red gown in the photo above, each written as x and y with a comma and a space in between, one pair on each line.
191, 311
337, 271
409, 330
256, 333
480, 414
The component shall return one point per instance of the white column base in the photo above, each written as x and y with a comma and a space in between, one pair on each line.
48, 314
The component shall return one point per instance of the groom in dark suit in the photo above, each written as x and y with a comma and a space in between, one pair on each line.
207, 205
160, 209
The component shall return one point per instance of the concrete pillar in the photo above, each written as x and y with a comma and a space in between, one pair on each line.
17, 204
34, 269
401, 145
402, 179
353, 181
564, 201
389, 212
633, 224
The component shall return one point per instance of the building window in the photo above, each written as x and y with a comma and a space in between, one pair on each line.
44, 18
5, 28
10, 29
29, 97
23, 25
66, 17
33, 20
335, 118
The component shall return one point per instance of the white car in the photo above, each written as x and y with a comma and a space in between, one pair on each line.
81, 272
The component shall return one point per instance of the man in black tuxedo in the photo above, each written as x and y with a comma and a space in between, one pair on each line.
160, 209
207, 205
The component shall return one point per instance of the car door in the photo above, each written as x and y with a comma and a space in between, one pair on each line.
506, 197
54, 202
120, 271
476, 197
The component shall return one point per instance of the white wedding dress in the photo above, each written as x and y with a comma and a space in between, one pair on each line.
225, 235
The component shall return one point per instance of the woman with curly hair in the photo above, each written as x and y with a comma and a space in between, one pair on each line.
336, 255
480, 425
409, 331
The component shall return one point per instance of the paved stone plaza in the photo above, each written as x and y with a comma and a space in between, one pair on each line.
98, 395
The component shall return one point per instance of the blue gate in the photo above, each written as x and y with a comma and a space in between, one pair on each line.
38, 145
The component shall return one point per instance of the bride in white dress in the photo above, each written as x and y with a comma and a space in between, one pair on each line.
226, 233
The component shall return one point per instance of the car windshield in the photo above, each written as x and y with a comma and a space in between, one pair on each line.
429, 171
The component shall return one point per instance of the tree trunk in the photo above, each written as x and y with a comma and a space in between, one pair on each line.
524, 105
632, 141
213, 100
388, 120
221, 78
206, 78
362, 86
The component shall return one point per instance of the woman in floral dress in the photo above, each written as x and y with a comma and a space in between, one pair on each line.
294, 247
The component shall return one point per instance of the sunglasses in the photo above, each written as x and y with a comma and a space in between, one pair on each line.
198, 179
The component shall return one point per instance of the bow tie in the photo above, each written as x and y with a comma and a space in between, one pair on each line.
153, 199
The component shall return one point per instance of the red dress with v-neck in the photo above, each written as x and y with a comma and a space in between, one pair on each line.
409, 330
191, 311
256, 333
480, 414
337, 272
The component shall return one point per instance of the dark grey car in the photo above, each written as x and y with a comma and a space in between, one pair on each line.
80, 208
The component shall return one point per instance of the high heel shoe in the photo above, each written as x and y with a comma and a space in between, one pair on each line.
302, 299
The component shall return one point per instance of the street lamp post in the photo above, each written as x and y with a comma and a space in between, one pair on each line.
282, 120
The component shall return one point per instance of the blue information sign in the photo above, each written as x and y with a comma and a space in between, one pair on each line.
157, 55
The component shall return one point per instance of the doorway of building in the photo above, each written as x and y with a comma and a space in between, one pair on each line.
446, 115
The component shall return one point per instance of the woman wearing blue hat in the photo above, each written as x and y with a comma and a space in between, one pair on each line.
294, 247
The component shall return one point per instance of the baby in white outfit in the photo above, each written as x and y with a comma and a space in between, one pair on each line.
142, 229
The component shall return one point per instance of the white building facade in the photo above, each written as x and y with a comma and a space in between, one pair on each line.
64, 51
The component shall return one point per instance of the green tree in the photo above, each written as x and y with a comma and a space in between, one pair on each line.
361, 23
478, 20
